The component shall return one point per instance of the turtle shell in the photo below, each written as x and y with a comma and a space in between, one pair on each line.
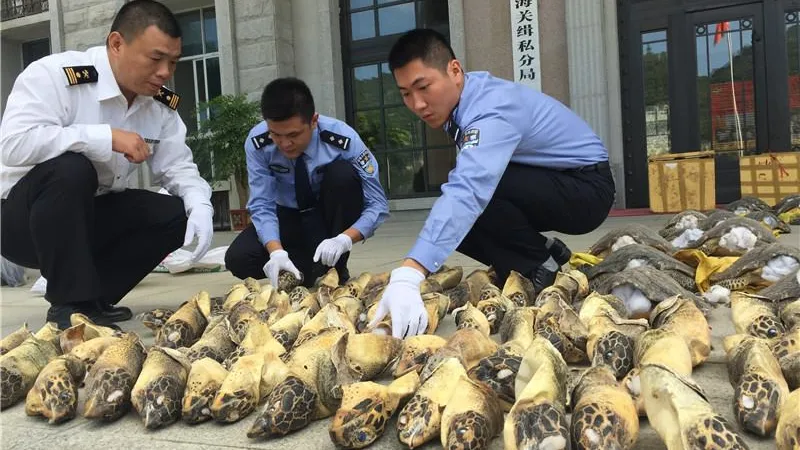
747, 205
676, 223
787, 203
764, 235
620, 259
754, 260
638, 232
784, 290
771, 220
653, 283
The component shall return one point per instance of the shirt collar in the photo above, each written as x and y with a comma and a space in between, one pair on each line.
107, 86
451, 126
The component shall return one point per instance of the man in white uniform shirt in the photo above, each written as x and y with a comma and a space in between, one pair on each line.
76, 126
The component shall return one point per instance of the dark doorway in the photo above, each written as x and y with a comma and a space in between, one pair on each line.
706, 75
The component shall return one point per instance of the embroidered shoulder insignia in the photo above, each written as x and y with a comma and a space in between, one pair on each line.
80, 74
168, 98
260, 141
336, 140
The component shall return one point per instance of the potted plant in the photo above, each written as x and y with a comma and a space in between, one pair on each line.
218, 145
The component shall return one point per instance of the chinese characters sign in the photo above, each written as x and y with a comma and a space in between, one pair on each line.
525, 42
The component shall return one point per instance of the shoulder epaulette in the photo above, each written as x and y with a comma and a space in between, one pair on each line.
80, 74
168, 98
336, 140
262, 140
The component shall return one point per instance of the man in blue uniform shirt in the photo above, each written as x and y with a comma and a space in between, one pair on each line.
526, 165
314, 190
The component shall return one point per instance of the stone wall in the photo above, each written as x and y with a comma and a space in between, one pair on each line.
264, 44
86, 22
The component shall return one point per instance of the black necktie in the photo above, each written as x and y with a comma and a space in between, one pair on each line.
302, 185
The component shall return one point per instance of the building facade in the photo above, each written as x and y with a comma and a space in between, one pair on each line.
650, 76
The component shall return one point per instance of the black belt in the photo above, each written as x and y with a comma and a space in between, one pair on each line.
590, 168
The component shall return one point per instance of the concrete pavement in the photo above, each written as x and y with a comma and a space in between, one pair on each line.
381, 253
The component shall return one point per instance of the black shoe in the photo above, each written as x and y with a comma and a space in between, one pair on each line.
116, 313
560, 252
542, 278
60, 314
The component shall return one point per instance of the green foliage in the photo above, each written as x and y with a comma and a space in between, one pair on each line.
226, 121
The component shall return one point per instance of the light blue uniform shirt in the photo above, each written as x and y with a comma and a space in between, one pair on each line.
271, 175
496, 122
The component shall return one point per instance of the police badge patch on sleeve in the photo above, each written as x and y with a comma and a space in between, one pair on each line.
472, 138
365, 162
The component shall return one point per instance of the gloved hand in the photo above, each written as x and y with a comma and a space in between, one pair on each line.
279, 260
403, 302
199, 224
330, 250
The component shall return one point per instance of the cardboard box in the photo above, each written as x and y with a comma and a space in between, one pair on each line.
770, 176
681, 181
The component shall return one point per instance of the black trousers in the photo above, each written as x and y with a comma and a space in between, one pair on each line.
531, 200
89, 248
339, 206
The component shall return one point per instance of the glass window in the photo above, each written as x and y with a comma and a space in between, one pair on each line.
413, 159
726, 103
33, 50
396, 19
656, 92
192, 33
210, 31
793, 55
363, 24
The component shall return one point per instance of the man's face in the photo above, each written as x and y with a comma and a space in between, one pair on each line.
146, 62
429, 92
292, 135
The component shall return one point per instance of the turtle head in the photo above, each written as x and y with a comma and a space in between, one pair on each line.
766, 327
360, 426
418, 421
109, 394
197, 408
469, 430
162, 402
616, 351
231, 406
289, 407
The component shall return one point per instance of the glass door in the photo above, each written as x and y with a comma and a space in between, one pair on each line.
729, 116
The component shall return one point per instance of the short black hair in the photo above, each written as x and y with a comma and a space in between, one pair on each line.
284, 98
135, 16
422, 43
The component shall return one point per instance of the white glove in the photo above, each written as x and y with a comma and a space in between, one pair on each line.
199, 224
279, 260
403, 302
330, 250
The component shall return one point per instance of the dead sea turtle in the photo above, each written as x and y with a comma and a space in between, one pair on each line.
755, 316
416, 351
681, 221
786, 289
158, 392
420, 419
109, 383
747, 205
733, 237
679, 411
682, 316
788, 209
55, 393
640, 287
204, 380
770, 220
20, 367
154, 319
759, 386
538, 418
759, 268
629, 234
636, 255
472, 417
603, 414
366, 408
787, 351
